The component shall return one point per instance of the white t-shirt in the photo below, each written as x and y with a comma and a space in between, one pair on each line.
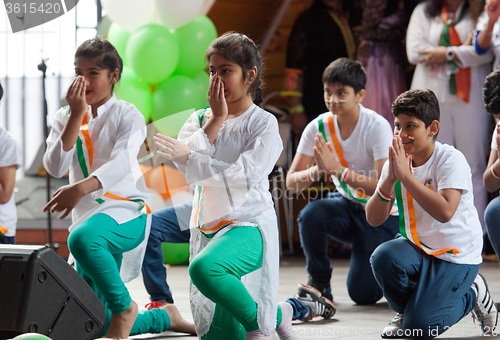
368, 142
446, 169
10, 154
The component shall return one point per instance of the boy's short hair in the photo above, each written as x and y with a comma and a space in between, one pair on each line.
346, 72
491, 93
421, 104
1, 91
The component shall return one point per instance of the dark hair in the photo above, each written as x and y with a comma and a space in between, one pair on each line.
421, 104
241, 50
1, 91
102, 52
474, 7
491, 93
346, 72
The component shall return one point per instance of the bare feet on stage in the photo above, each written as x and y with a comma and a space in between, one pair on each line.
177, 323
121, 324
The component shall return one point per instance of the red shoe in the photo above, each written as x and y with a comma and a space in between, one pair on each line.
155, 305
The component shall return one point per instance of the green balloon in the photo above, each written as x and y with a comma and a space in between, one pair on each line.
193, 40
31, 336
153, 53
173, 102
175, 253
134, 91
202, 80
118, 37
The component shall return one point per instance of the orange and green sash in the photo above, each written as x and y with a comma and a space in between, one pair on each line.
460, 82
360, 196
408, 222
3, 231
84, 129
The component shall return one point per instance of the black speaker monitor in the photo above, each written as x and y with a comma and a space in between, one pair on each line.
41, 293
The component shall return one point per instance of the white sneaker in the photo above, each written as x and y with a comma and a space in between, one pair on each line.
395, 328
485, 312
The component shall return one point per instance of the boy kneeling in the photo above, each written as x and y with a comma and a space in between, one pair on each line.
429, 274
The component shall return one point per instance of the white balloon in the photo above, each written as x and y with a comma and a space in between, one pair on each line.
130, 14
176, 13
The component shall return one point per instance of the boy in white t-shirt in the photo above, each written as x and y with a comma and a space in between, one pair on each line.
429, 273
349, 144
10, 161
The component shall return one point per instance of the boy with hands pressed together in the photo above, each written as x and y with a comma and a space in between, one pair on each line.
429, 273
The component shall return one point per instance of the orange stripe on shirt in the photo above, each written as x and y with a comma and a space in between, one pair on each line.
336, 143
88, 143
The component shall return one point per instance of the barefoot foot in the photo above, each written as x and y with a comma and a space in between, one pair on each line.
121, 324
177, 322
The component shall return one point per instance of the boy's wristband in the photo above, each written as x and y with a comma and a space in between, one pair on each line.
310, 174
493, 173
383, 197
343, 175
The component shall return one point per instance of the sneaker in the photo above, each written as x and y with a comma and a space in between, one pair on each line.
485, 311
318, 305
155, 305
394, 329
322, 286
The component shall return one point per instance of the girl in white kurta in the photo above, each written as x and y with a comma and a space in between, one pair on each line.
97, 138
464, 121
228, 152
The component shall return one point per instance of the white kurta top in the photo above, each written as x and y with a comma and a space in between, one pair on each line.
10, 154
424, 33
234, 175
116, 133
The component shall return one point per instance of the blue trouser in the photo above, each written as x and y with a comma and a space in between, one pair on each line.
492, 221
344, 221
98, 245
433, 294
167, 225
7, 239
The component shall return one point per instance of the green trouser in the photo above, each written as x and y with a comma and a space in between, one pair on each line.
98, 245
217, 270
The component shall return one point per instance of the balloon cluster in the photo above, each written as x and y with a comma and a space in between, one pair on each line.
162, 44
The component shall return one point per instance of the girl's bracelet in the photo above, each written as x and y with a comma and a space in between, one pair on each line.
343, 175
383, 197
493, 173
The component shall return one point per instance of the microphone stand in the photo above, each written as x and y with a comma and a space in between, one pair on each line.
43, 67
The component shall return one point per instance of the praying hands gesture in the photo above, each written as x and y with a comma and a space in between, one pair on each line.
325, 157
172, 149
398, 162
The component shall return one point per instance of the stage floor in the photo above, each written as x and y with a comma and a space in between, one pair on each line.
350, 322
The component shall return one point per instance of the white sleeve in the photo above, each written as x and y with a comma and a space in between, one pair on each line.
55, 160
454, 172
380, 139
246, 169
10, 152
468, 57
417, 35
494, 145
306, 142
